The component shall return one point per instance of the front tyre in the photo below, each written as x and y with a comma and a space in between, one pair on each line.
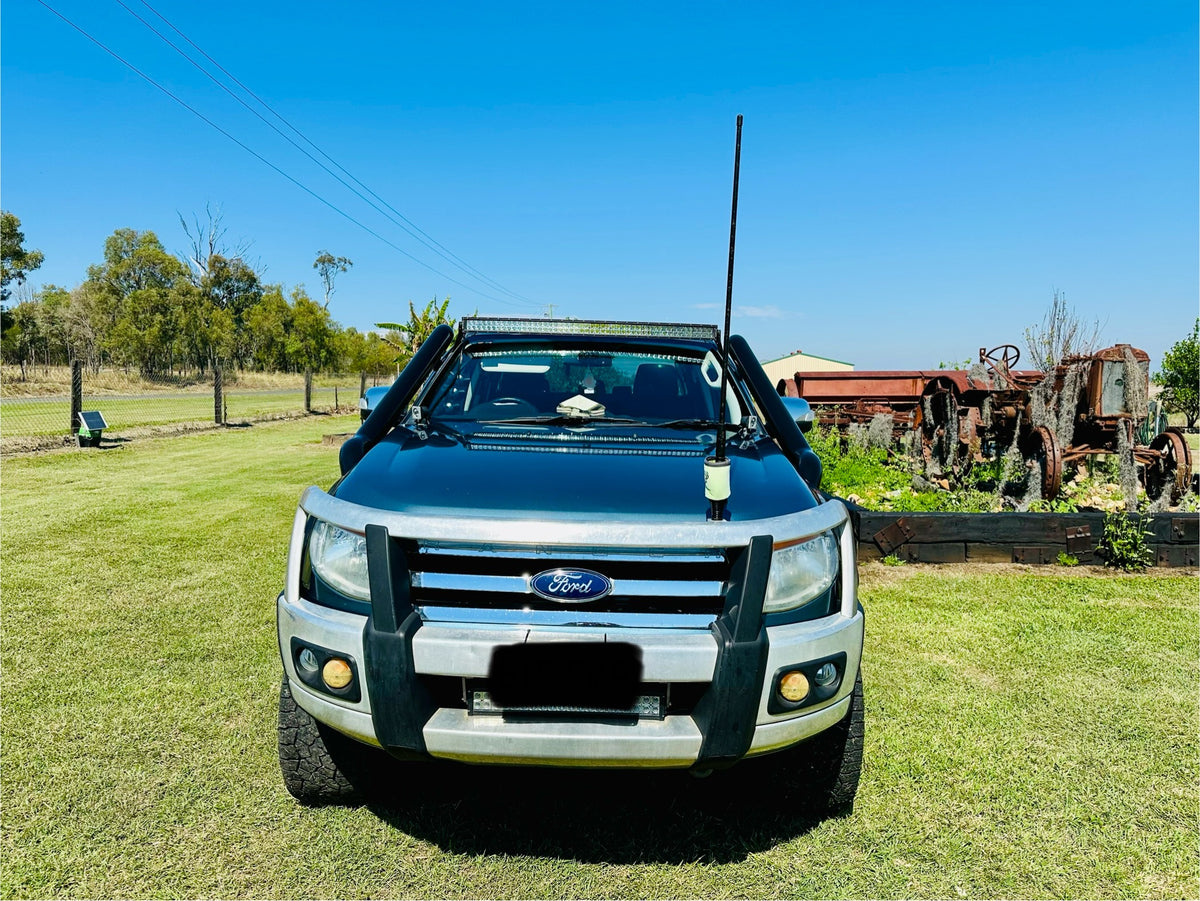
318, 763
838, 757
822, 773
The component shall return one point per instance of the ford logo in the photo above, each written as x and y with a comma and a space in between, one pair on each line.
570, 586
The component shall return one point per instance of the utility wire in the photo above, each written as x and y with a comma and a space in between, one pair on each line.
264, 160
395, 216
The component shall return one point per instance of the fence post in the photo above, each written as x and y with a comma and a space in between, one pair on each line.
76, 395
308, 390
362, 383
218, 396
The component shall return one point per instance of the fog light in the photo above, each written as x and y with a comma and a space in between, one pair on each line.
336, 673
794, 686
825, 675
307, 661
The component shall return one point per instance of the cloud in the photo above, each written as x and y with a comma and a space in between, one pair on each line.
767, 312
707, 306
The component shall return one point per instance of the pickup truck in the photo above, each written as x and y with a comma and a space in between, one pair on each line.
518, 565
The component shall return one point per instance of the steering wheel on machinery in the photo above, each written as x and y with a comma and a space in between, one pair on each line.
1003, 357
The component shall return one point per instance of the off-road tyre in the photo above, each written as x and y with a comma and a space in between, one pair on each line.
838, 754
821, 774
319, 765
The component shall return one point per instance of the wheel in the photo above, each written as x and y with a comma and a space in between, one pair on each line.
824, 770
1040, 449
940, 437
319, 764
838, 757
1173, 468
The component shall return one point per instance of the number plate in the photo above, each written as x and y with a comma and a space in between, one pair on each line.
592, 675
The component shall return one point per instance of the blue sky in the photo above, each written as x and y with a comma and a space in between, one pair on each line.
916, 181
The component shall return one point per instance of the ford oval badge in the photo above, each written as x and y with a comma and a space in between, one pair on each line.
570, 586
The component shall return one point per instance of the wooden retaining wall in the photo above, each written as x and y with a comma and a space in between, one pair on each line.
1013, 537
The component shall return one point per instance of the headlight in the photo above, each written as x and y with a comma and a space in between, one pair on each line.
362, 403
340, 558
801, 572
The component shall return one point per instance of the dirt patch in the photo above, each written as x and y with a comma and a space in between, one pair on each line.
875, 573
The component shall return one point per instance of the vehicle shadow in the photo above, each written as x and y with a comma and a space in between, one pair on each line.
595, 816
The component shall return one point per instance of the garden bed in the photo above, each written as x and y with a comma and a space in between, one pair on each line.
1066, 539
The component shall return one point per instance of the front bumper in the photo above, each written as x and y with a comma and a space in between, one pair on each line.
736, 658
667, 656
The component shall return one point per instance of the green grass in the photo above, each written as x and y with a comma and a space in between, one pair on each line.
1029, 735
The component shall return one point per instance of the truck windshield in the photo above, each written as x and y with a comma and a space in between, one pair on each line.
539, 384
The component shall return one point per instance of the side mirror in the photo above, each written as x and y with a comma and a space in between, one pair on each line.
800, 411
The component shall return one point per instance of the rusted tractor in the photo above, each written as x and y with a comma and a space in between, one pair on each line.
1089, 405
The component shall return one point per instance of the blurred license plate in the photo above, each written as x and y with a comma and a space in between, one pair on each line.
592, 676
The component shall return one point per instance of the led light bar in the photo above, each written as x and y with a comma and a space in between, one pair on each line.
478, 325
480, 703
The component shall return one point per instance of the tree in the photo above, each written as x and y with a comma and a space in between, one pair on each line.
407, 337
369, 353
15, 261
328, 267
138, 299
310, 344
1061, 334
226, 281
268, 324
1180, 377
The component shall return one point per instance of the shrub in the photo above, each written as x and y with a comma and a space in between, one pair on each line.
1057, 505
1123, 544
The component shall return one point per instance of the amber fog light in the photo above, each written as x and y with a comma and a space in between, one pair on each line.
336, 673
794, 686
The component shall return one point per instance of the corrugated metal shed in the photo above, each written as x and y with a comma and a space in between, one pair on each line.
785, 367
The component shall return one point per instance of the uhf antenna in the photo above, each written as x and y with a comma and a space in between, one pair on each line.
716, 468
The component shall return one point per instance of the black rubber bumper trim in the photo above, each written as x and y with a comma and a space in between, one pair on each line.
400, 703
727, 712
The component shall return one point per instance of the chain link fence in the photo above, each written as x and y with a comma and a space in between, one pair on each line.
39, 408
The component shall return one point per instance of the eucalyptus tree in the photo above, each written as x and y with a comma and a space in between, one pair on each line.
329, 267
15, 261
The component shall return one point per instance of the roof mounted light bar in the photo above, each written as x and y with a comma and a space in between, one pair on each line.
478, 325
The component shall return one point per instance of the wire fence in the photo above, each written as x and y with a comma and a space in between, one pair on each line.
38, 411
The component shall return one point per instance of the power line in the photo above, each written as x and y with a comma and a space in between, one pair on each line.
395, 216
264, 160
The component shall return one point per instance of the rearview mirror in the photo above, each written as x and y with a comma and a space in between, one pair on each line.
800, 411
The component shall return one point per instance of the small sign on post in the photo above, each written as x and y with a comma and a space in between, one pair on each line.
91, 425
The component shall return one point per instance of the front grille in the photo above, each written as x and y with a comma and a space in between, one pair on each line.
649, 581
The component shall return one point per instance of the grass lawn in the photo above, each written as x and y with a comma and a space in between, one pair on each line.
1029, 733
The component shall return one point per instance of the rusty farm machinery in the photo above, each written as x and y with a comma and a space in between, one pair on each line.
1087, 405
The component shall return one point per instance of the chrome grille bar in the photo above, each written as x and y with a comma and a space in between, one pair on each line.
634, 588
525, 553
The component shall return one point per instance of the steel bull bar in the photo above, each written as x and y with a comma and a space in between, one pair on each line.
725, 715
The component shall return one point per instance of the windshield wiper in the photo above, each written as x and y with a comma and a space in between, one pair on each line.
553, 419
684, 424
